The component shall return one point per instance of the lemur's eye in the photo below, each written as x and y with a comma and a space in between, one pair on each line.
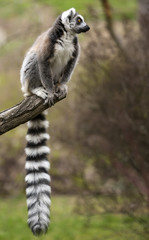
79, 20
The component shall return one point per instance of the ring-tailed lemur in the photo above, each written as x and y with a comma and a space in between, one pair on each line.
46, 69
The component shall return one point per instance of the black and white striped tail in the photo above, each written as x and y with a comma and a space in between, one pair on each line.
37, 177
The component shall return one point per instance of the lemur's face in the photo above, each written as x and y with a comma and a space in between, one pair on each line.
74, 22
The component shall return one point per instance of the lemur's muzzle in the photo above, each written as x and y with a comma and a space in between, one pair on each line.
86, 28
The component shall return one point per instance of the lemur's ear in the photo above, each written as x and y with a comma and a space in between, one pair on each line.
70, 16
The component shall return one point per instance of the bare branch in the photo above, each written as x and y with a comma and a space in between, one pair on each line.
143, 8
108, 15
23, 112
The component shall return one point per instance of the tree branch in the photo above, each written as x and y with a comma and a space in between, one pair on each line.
108, 15
23, 112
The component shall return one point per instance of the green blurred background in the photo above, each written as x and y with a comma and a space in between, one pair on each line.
99, 133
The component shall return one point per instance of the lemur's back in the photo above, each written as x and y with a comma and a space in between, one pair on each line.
30, 77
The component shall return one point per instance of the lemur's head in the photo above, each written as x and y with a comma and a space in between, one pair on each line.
74, 22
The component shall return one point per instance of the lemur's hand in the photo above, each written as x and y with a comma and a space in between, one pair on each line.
49, 98
61, 91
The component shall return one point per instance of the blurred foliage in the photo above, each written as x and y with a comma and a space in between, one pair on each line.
10, 8
66, 224
112, 120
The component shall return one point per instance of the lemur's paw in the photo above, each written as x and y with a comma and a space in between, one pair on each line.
49, 99
61, 91
40, 92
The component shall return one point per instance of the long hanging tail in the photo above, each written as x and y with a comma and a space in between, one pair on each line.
37, 177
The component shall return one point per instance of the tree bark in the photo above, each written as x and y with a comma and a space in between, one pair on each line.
144, 18
23, 112
109, 20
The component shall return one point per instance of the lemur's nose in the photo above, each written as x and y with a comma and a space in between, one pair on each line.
86, 28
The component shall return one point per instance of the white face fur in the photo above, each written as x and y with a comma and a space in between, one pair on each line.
74, 22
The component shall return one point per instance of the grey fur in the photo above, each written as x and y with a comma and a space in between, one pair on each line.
60, 41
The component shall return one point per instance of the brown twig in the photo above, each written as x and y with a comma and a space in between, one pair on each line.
108, 15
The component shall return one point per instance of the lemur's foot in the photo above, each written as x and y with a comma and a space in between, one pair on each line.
61, 91
49, 99
42, 93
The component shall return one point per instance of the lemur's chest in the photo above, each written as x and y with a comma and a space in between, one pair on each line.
63, 52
